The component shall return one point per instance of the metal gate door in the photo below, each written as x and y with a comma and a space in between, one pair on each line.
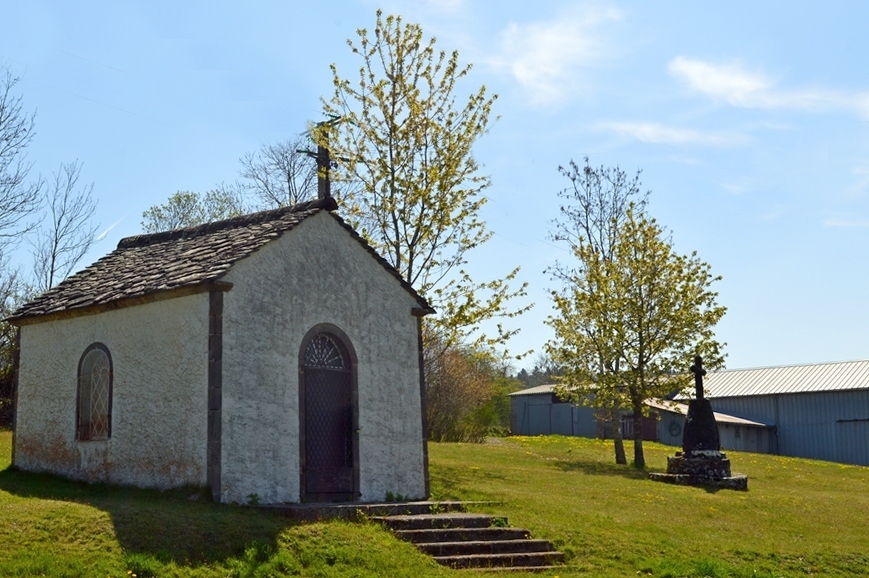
328, 416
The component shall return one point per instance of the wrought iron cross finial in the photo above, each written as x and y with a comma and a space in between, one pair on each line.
699, 372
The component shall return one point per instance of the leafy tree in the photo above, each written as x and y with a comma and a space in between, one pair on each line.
461, 386
188, 209
629, 323
594, 210
67, 232
407, 144
494, 415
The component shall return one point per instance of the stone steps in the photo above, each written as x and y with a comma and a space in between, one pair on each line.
352, 510
463, 540
465, 548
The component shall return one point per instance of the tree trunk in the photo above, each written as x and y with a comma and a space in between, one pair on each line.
639, 459
618, 441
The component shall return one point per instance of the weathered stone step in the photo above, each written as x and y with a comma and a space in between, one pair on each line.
523, 560
525, 569
484, 547
464, 540
440, 521
461, 534
351, 510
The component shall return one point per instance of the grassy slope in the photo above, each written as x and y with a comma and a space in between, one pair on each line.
799, 517
54, 527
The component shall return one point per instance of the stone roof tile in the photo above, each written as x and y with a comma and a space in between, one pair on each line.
144, 265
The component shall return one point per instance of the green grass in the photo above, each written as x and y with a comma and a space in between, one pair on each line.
799, 518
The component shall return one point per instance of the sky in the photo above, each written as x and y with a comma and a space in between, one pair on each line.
749, 121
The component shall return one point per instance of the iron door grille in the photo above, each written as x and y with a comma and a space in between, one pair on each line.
328, 418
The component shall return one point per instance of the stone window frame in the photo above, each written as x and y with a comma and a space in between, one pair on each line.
84, 430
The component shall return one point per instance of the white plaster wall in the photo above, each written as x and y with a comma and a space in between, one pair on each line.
316, 274
159, 401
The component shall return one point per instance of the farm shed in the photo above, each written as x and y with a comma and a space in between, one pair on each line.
735, 433
273, 356
819, 411
538, 411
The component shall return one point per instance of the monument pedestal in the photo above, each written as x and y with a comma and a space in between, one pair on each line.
701, 468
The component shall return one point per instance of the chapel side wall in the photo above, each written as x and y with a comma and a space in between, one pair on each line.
159, 355
317, 274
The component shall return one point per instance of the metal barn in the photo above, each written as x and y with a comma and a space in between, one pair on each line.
538, 411
818, 411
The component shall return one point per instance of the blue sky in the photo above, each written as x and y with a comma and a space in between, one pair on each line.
749, 120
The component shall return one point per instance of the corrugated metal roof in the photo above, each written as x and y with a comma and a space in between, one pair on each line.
841, 376
682, 408
548, 388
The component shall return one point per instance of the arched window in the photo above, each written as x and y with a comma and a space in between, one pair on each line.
94, 408
325, 351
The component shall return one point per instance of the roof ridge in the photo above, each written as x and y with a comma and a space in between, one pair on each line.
328, 204
793, 365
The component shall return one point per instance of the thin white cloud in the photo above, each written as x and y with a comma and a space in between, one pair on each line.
733, 188
846, 223
775, 213
652, 132
860, 188
546, 57
735, 85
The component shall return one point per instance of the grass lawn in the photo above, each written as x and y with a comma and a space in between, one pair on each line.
799, 518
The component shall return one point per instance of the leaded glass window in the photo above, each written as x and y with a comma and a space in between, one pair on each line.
94, 394
323, 351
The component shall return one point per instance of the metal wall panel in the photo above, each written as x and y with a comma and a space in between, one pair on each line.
831, 426
584, 422
561, 419
537, 415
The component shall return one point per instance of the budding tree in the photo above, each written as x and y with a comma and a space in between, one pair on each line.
631, 312
188, 209
405, 139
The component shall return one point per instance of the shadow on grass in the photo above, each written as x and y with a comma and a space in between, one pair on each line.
596, 468
180, 526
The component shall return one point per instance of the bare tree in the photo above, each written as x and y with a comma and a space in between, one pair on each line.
281, 174
596, 204
67, 232
19, 197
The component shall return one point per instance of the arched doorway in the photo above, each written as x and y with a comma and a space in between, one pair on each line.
328, 416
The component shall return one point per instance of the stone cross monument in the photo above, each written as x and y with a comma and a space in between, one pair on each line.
701, 461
